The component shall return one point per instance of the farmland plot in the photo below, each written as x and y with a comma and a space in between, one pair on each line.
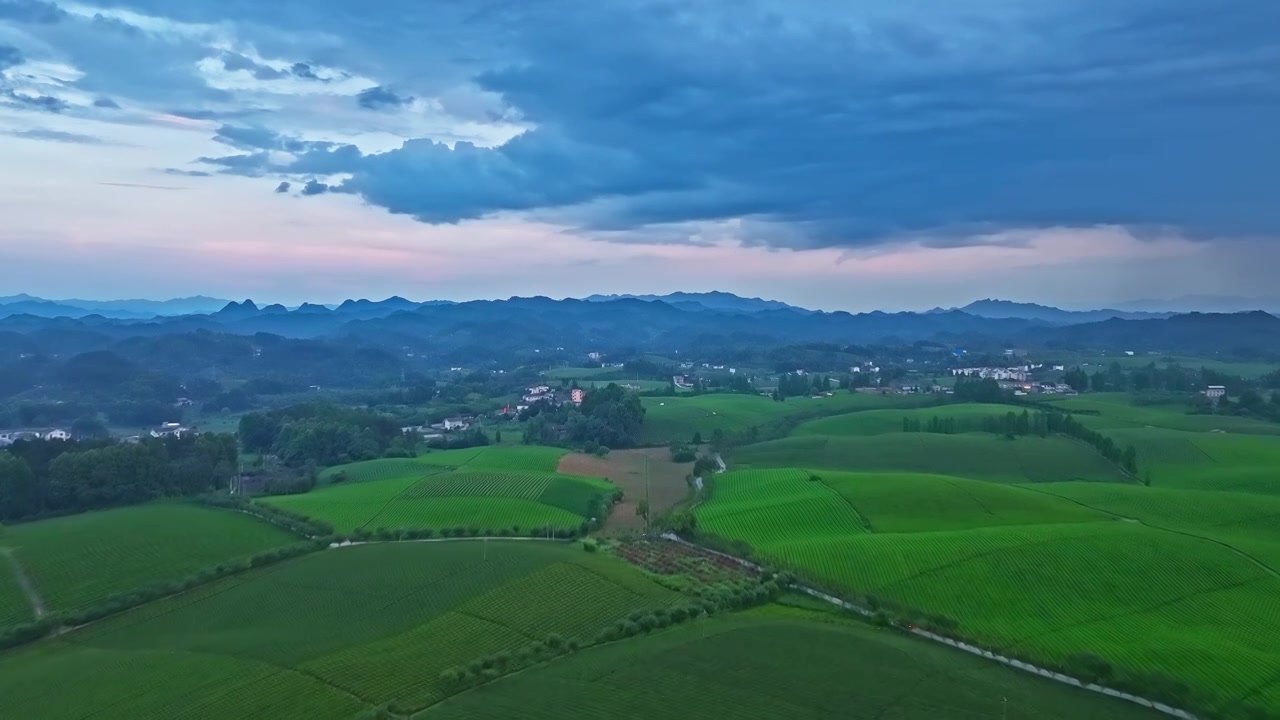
79, 560
763, 665
325, 635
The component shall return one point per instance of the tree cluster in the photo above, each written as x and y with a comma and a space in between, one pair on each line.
609, 417
797, 385
322, 434
39, 478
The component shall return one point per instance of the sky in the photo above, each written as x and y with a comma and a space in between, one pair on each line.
895, 154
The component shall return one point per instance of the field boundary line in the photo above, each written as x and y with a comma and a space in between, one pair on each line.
1185, 533
25, 584
863, 520
393, 498
966, 647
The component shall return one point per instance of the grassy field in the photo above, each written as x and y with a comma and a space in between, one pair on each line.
522, 458
770, 663
79, 560
974, 455
580, 373
325, 635
1042, 579
880, 422
474, 496
677, 419
1205, 461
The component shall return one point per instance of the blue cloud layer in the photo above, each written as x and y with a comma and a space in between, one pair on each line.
842, 125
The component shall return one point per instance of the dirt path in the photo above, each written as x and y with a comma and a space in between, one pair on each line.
24, 582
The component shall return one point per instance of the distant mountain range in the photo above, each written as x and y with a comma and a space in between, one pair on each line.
1000, 309
722, 301
123, 309
459, 333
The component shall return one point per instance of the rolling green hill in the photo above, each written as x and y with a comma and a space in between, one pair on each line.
325, 635
768, 664
974, 455
877, 422
1043, 580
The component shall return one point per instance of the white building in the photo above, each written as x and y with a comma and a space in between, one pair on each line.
58, 434
1213, 392
169, 429
456, 423
1015, 374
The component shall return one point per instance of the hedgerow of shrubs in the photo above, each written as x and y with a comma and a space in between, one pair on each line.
712, 600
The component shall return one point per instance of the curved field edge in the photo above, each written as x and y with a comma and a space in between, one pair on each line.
764, 664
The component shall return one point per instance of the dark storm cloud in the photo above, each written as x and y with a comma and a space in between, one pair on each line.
855, 125
379, 97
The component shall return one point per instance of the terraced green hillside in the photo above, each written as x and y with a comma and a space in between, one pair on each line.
14, 606
974, 455
1046, 581
79, 560
1205, 461
325, 635
766, 664
1118, 410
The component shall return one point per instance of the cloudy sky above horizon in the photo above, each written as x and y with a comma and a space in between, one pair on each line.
890, 153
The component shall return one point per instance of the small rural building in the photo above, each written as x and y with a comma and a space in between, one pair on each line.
1215, 391
577, 395
57, 434
455, 423
169, 429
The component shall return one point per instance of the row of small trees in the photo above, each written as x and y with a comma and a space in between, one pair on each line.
714, 600
294, 522
470, 531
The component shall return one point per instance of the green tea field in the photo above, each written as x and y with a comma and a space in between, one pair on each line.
430, 497
878, 422
974, 455
1117, 410
326, 635
766, 664
677, 419
79, 560
1020, 571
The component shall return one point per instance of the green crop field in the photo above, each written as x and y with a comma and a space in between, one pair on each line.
14, 607
778, 663
531, 458
579, 373
643, 385
79, 560
1189, 593
1206, 461
325, 635
974, 455
485, 499
667, 419
879, 422
1242, 369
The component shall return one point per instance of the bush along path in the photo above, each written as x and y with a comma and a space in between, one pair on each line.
24, 582
881, 618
